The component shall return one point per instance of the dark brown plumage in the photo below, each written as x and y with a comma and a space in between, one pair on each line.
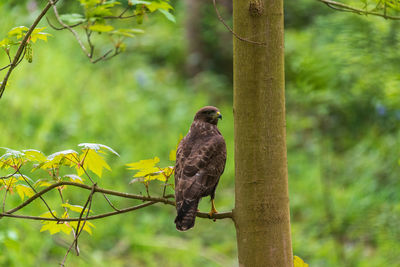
200, 161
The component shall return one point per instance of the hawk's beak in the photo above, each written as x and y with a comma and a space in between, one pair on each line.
219, 116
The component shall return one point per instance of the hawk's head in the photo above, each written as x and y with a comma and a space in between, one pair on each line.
208, 114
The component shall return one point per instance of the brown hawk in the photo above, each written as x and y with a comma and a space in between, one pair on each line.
200, 161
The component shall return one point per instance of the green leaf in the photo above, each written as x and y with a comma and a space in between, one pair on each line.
127, 32
168, 15
72, 18
159, 5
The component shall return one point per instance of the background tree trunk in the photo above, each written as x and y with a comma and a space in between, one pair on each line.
195, 46
261, 203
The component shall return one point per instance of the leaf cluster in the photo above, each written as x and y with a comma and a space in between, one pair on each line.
15, 36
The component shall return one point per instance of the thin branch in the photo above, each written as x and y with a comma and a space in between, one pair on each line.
94, 217
204, 215
152, 200
33, 189
346, 8
9, 175
230, 29
74, 33
62, 28
5, 67
98, 189
22, 46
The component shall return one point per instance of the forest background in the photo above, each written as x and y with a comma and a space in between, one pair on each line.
343, 114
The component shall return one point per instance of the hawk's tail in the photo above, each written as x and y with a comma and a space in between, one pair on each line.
186, 215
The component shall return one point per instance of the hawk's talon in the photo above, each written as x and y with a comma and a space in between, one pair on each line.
213, 210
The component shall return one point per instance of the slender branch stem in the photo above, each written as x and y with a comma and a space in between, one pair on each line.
22, 46
74, 33
204, 215
152, 200
346, 8
93, 217
230, 29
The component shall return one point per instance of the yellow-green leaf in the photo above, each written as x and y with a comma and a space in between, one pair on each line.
97, 147
298, 262
159, 5
54, 227
92, 161
42, 183
24, 190
75, 208
87, 227
34, 155
74, 178
65, 157
101, 28
143, 164
18, 31
172, 153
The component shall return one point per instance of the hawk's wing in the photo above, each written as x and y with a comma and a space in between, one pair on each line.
199, 164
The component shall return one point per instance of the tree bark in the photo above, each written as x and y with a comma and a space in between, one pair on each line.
261, 211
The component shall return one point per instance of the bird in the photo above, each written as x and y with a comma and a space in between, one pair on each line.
200, 162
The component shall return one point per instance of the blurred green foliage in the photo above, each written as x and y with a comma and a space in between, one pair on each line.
343, 114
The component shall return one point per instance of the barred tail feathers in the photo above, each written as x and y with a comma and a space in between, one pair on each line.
186, 215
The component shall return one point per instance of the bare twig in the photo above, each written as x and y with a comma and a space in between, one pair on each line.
230, 29
5, 67
346, 8
74, 33
62, 28
22, 46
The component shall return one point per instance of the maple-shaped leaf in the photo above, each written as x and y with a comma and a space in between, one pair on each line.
92, 161
34, 155
87, 227
19, 31
12, 158
97, 147
55, 227
66, 157
38, 34
143, 164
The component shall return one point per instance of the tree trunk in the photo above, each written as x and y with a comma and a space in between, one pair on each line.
261, 211
195, 45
